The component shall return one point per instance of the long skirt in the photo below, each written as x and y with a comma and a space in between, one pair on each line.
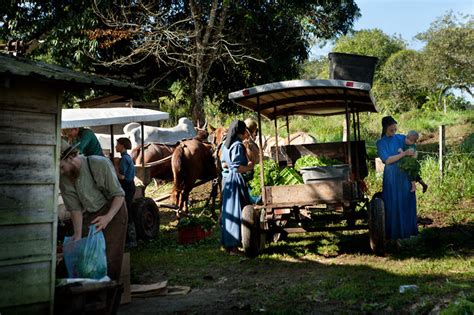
400, 204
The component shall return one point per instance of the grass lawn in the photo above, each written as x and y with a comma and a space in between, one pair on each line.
318, 272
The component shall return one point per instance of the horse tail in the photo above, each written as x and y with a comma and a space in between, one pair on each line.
177, 168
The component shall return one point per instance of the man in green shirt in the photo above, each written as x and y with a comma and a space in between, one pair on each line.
88, 142
92, 193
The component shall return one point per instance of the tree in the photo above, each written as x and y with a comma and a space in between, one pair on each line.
316, 69
448, 57
373, 42
399, 82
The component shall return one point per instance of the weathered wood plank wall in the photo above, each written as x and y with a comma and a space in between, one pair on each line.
29, 137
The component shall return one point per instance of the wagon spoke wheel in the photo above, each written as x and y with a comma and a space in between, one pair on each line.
377, 226
253, 238
146, 217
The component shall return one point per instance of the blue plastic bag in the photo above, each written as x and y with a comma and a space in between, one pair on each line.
86, 258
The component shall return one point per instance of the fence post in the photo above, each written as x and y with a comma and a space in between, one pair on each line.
441, 150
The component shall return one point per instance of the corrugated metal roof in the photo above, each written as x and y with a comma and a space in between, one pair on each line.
306, 97
23, 67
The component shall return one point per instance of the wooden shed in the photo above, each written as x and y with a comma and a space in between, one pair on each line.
30, 122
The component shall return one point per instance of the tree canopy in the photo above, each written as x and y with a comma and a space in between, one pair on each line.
406, 79
448, 59
213, 46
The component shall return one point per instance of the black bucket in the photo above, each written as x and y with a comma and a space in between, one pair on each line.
352, 67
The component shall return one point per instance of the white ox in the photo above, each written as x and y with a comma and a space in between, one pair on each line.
183, 130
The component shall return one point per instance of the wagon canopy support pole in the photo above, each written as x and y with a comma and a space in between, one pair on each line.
111, 154
276, 137
348, 129
288, 129
142, 127
356, 141
353, 121
358, 127
260, 151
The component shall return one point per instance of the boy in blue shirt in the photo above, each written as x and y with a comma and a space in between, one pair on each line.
126, 176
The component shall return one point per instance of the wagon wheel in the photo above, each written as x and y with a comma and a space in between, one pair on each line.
147, 218
377, 226
253, 239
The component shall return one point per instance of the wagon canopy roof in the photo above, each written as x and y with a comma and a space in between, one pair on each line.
23, 67
85, 117
306, 97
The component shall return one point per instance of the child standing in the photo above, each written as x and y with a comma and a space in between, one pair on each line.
409, 164
126, 176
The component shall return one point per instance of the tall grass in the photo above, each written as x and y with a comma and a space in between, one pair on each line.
446, 193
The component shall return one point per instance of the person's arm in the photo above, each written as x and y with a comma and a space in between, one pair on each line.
245, 168
395, 158
76, 218
237, 155
102, 221
118, 170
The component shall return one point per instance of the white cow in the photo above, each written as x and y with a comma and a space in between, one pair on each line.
183, 130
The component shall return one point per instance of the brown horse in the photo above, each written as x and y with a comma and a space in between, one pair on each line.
155, 152
190, 161
161, 154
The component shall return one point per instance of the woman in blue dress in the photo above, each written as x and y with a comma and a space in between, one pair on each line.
399, 201
235, 194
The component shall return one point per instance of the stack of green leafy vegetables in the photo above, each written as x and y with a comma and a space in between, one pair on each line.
273, 177
191, 221
289, 176
411, 166
92, 262
312, 160
271, 172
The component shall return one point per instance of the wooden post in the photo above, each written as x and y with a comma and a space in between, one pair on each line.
441, 149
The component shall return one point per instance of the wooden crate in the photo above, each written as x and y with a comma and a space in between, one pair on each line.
93, 298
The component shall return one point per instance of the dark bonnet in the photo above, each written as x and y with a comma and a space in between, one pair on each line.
387, 121
236, 127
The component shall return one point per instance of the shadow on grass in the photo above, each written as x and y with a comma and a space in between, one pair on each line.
432, 242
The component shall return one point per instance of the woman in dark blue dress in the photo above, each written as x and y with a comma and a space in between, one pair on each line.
399, 201
235, 194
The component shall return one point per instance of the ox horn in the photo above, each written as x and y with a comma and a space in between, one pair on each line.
205, 125
198, 125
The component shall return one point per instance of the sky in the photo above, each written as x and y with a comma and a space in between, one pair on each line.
402, 17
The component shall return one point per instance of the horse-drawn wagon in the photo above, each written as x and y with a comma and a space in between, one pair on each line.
329, 195
145, 210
